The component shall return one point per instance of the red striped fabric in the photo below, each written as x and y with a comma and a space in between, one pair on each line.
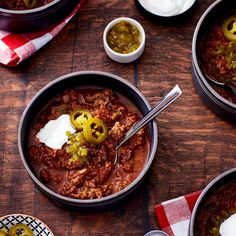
174, 215
163, 221
14, 41
15, 48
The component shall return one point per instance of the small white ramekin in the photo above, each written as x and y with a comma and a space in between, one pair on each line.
129, 57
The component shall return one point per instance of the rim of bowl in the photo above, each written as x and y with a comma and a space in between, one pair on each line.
131, 21
25, 216
163, 15
156, 233
216, 95
34, 10
97, 200
209, 186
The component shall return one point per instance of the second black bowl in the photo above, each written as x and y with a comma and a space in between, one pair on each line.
208, 91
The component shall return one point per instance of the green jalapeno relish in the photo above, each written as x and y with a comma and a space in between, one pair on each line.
123, 37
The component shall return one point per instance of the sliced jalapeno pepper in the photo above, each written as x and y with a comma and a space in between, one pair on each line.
3, 233
30, 3
95, 130
229, 28
79, 117
20, 230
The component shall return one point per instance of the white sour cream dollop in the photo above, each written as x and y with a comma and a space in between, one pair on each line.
228, 227
167, 7
53, 134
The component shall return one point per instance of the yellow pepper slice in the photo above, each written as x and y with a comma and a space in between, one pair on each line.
30, 3
20, 230
79, 117
3, 233
95, 130
229, 28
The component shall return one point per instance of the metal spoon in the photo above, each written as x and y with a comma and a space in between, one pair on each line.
156, 233
222, 84
165, 102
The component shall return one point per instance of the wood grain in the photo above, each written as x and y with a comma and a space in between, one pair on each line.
194, 144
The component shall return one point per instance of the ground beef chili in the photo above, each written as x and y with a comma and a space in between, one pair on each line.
219, 206
22, 4
218, 59
96, 177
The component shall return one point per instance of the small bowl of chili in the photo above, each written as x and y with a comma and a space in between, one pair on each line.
124, 40
214, 213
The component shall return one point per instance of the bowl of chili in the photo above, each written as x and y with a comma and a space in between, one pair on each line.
68, 133
33, 15
214, 213
213, 51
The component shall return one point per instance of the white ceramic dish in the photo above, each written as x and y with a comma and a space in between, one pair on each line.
166, 8
156, 233
37, 226
129, 57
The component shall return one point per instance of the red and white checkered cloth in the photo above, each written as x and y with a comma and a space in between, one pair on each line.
15, 48
174, 215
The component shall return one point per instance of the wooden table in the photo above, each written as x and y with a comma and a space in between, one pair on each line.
194, 144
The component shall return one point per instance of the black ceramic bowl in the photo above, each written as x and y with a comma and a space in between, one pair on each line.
78, 79
208, 204
207, 90
36, 19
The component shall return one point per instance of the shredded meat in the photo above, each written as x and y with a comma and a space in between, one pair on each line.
45, 175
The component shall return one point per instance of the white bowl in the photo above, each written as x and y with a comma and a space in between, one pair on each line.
36, 225
166, 8
129, 57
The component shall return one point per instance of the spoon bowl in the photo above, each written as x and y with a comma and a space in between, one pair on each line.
160, 106
222, 84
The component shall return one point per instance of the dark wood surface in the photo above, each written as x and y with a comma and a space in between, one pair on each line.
194, 144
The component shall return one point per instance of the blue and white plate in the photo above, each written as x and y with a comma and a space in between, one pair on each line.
37, 226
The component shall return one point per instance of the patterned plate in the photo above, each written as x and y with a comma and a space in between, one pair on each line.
37, 226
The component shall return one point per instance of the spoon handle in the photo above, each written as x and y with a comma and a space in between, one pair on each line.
165, 102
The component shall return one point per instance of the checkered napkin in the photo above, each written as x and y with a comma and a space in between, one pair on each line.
174, 215
15, 48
